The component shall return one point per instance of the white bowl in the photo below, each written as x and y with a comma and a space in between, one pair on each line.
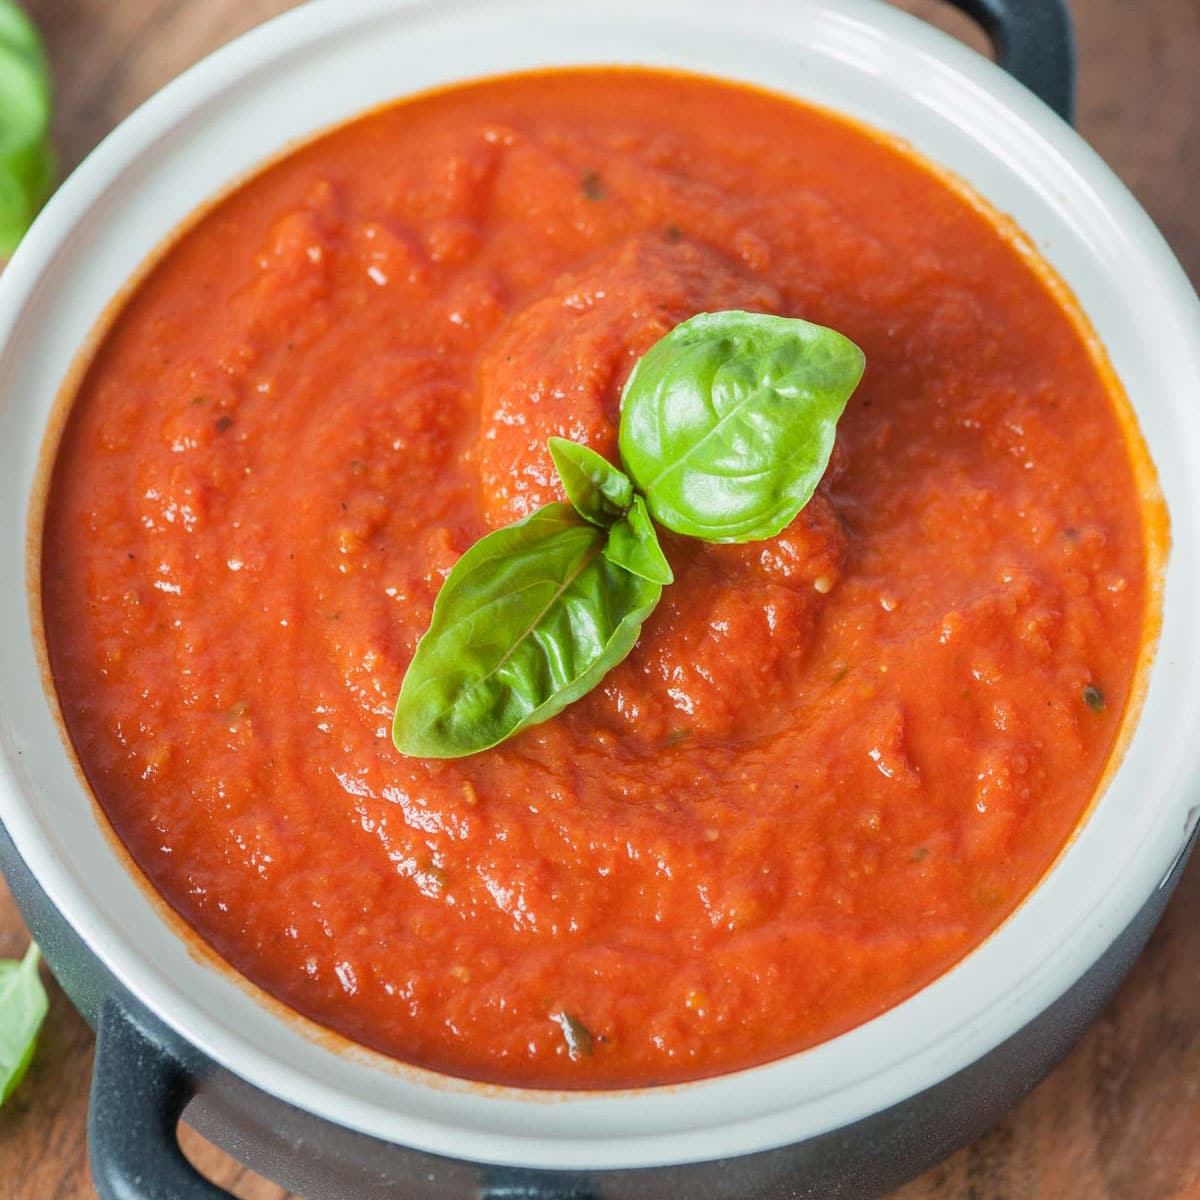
333, 58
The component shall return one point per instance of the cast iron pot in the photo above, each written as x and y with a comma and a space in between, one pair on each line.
179, 1034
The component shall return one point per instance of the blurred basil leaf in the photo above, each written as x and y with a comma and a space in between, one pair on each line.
23, 1006
27, 166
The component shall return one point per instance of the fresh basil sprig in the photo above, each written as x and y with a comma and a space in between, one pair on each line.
23, 1006
727, 425
26, 161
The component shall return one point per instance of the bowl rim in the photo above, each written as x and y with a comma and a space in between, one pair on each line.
1147, 863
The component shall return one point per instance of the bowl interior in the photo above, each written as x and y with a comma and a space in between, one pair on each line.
332, 59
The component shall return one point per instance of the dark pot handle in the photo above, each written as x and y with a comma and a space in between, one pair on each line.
139, 1092
140, 1088
1035, 43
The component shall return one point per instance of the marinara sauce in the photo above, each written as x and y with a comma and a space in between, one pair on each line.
834, 762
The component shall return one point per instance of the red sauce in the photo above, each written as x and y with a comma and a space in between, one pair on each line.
834, 762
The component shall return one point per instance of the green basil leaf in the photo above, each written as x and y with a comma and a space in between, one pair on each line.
600, 492
530, 619
23, 1006
26, 161
727, 423
633, 544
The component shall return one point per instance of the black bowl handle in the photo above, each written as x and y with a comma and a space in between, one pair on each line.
139, 1092
1035, 43
140, 1087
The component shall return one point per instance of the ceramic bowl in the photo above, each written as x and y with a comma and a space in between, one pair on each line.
850, 1117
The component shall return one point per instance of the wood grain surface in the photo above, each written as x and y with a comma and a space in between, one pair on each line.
1120, 1119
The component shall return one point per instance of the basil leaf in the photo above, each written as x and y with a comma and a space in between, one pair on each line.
26, 161
600, 492
633, 544
530, 619
23, 1006
727, 423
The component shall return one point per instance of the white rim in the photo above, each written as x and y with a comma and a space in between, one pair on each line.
692, 1122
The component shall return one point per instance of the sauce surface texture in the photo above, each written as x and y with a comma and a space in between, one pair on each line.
834, 762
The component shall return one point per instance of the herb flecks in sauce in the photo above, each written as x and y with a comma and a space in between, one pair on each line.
579, 1038
592, 185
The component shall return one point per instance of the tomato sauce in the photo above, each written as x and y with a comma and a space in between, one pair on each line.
835, 761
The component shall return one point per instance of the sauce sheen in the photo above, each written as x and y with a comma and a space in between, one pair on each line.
835, 761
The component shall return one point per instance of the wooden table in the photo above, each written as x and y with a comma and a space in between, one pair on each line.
1120, 1119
